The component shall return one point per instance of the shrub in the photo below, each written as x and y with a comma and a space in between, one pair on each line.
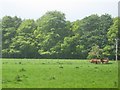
95, 52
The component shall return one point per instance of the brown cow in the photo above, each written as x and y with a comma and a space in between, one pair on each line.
106, 60
97, 61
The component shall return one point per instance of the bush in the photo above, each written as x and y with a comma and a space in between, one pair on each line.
95, 52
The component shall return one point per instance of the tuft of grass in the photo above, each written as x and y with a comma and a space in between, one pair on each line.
43, 63
22, 70
52, 78
76, 67
20, 62
60, 66
18, 78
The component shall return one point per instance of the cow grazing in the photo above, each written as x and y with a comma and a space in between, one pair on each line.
105, 60
96, 61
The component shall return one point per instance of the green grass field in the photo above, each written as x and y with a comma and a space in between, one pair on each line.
58, 73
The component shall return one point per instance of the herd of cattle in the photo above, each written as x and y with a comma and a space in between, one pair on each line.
98, 61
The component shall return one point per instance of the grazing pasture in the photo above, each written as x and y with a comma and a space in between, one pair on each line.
58, 73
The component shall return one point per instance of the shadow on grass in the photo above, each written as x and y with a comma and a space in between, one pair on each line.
109, 63
104, 63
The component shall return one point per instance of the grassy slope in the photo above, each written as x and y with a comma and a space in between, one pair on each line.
58, 73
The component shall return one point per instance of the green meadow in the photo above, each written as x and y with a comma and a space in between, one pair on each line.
58, 73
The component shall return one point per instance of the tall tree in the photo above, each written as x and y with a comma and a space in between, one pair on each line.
50, 32
112, 34
105, 22
23, 45
9, 27
88, 29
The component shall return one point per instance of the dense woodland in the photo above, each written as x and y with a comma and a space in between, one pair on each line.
52, 36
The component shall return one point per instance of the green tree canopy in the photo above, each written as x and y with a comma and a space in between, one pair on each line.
52, 36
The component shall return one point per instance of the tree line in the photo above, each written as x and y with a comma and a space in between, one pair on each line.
52, 36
